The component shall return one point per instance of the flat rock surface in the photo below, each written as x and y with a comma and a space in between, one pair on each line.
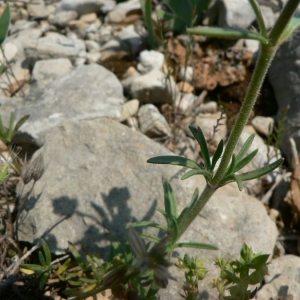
97, 181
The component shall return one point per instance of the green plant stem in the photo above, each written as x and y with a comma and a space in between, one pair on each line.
194, 211
267, 52
283, 20
259, 17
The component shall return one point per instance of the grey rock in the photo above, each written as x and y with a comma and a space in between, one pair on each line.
88, 92
154, 87
229, 13
92, 46
10, 52
62, 18
210, 107
111, 48
22, 25
37, 9
185, 101
89, 18
263, 125
285, 80
150, 60
130, 109
283, 278
46, 71
119, 13
82, 6
99, 182
53, 45
152, 122
268, 16
92, 57
133, 39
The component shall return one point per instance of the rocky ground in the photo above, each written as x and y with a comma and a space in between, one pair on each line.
101, 103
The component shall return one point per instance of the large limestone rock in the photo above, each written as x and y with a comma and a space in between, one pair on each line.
97, 181
90, 91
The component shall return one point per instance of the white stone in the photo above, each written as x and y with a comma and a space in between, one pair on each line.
154, 87
118, 14
130, 109
186, 74
263, 125
62, 18
152, 122
10, 52
150, 60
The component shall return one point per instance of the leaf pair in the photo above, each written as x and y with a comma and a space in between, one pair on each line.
240, 160
172, 219
196, 169
7, 134
44, 269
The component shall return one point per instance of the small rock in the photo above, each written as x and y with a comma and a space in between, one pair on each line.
183, 102
62, 18
132, 39
92, 46
48, 48
21, 25
152, 123
19, 14
111, 48
263, 125
235, 14
210, 107
154, 87
130, 109
92, 57
119, 13
186, 74
37, 9
82, 6
185, 87
51, 69
150, 60
133, 123
252, 45
10, 52
89, 18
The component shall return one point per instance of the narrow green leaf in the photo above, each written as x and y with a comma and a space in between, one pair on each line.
231, 166
170, 200
231, 277
150, 238
182, 214
47, 253
199, 136
33, 267
2, 130
11, 126
197, 245
19, 124
2, 68
149, 23
245, 147
174, 160
63, 267
147, 224
261, 171
43, 280
4, 23
245, 161
217, 154
42, 259
162, 212
238, 180
88, 280
190, 173
293, 25
76, 254
174, 229
226, 33
194, 199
